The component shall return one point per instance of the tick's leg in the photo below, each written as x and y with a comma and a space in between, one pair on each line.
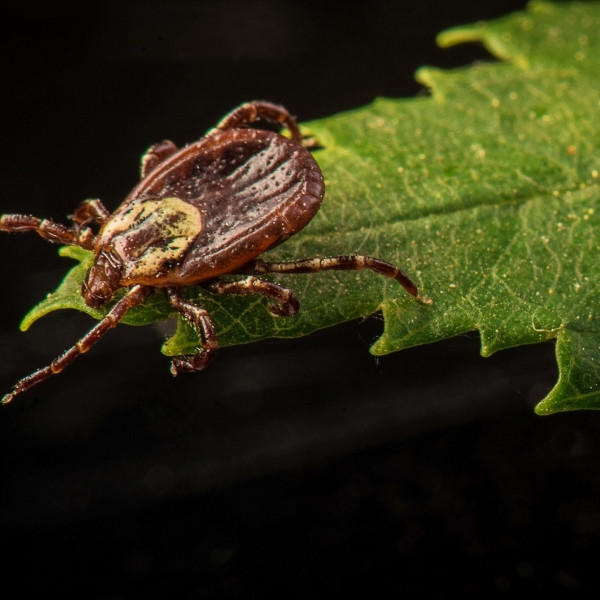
251, 111
287, 303
352, 262
155, 155
200, 319
133, 297
49, 230
90, 211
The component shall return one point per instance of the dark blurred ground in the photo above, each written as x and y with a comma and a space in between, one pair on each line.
306, 468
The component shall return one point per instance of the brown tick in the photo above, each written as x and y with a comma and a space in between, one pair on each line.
200, 212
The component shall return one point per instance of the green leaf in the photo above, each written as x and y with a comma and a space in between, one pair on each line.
486, 193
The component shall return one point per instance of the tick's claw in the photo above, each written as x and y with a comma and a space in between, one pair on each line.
285, 309
189, 363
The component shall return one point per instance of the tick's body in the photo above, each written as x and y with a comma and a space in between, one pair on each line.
210, 208
204, 211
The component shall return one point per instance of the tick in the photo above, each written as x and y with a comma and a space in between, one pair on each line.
199, 212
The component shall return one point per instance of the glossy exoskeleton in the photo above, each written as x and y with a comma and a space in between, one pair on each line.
206, 210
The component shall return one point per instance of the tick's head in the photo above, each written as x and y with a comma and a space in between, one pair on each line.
101, 281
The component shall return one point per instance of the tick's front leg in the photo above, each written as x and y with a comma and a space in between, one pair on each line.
90, 211
49, 230
251, 111
134, 296
200, 319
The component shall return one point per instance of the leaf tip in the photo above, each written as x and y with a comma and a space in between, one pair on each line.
460, 35
542, 409
37, 312
427, 76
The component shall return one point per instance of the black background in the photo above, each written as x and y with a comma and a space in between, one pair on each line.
308, 467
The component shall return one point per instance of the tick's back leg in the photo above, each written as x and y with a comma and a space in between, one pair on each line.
155, 155
251, 111
350, 262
